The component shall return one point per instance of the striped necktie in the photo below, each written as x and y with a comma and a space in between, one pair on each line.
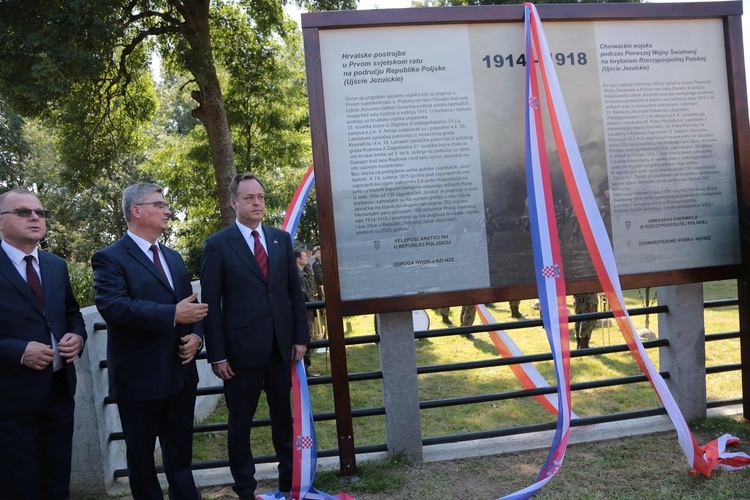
260, 254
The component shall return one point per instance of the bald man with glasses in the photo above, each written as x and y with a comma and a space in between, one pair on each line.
41, 333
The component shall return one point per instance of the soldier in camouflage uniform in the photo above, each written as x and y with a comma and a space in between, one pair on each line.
317, 267
309, 269
444, 311
308, 290
585, 303
468, 315
514, 312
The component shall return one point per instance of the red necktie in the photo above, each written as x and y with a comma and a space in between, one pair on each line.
157, 261
260, 254
32, 278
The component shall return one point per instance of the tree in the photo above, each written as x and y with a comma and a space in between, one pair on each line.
83, 56
268, 122
13, 148
181, 161
267, 110
83, 220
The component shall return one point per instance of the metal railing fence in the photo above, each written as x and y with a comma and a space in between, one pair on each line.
468, 400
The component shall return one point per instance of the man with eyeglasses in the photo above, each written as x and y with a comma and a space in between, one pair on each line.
41, 334
154, 330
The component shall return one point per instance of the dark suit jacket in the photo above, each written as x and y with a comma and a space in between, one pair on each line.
22, 321
244, 311
138, 304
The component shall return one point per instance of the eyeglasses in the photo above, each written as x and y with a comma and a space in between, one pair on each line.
26, 213
161, 205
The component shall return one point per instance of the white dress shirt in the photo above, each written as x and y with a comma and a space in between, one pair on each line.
146, 247
247, 233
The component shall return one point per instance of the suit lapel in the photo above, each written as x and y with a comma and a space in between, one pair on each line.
50, 280
242, 249
52, 284
9, 271
175, 264
134, 250
274, 252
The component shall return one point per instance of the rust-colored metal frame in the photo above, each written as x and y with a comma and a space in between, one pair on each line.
312, 23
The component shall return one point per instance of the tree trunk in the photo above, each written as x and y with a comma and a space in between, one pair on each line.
213, 116
210, 110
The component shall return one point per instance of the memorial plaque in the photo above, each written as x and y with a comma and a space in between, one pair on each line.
425, 141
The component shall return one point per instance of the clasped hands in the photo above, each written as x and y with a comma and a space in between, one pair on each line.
189, 345
37, 355
189, 311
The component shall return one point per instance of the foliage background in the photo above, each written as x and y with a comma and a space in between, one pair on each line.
95, 96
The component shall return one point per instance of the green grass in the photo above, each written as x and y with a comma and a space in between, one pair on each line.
640, 467
500, 414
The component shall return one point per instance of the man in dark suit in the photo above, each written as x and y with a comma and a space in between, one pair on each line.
154, 329
41, 334
256, 325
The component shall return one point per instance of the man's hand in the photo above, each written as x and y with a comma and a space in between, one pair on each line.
37, 355
70, 347
222, 370
189, 345
189, 311
298, 351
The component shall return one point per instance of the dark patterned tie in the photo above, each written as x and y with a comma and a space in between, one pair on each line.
260, 254
157, 261
32, 278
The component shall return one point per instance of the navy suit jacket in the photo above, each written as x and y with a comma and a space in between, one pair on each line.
22, 321
245, 313
138, 305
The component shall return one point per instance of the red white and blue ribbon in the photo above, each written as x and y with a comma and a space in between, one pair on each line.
296, 206
549, 274
549, 265
304, 447
526, 373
